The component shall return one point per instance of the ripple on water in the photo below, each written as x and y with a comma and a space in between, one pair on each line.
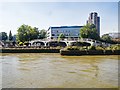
53, 70
26, 69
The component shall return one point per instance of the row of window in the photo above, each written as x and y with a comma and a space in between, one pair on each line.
66, 34
64, 31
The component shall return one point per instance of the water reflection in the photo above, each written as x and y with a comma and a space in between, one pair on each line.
35, 70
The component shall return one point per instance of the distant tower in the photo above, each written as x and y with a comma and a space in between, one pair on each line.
94, 19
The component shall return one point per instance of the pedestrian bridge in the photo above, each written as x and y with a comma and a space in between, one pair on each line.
62, 43
54, 43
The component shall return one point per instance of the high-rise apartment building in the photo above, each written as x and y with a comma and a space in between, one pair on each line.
94, 19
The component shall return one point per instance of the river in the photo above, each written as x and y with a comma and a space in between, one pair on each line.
51, 70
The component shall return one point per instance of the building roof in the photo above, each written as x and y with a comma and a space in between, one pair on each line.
67, 27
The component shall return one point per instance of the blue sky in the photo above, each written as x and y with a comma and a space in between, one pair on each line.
45, 14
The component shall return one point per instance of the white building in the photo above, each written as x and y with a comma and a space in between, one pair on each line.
69, 32
114, 35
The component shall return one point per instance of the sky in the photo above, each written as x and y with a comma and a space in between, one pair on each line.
45, 14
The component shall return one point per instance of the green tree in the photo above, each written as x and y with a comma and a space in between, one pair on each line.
3, 36
34, 33
42, 34
26, 33
10, 36
61, 36
89, 31
106, 38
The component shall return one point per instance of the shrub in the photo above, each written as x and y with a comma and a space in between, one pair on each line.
67, 48
113, 47
21, 43
75, 48
71, 48
58, 47
26, 43
108, 48
99, 48
83, 48
116, 47
92, 48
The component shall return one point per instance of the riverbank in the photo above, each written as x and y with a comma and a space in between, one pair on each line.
61, 51
89, 52
29, 50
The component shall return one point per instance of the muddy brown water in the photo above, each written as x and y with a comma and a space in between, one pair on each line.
43, 70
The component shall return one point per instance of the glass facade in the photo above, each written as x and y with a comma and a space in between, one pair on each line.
68, 31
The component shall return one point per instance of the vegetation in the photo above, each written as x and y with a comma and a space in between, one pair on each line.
113, 47
29, 50
20, 44
106, 38
96, 48
42, 34
3, 36
80, 44
75, 48
10, 36
26, 43
26, 33
72, 48
92, 48
89, 31
14, 37
61, 36
100, 48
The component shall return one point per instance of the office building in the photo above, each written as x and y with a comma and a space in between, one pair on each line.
68, 31
94, 19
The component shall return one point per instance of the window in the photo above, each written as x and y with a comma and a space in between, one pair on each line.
53, 34
52, 31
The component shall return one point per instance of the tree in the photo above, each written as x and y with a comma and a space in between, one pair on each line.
14, 37
10, 36
106, 38
3, 36
61, 36
42, 34
27, 33
89, 31
34, 33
